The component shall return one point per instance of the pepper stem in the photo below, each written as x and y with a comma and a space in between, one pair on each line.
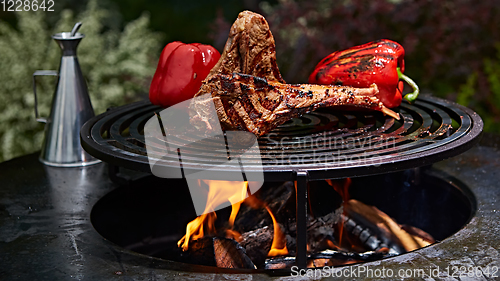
411, 97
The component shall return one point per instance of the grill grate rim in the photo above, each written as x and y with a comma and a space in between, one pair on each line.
339, 143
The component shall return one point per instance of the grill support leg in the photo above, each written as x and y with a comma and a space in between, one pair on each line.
124, 179
301, 207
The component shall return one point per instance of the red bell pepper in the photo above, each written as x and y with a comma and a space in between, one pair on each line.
379, 62
181, 69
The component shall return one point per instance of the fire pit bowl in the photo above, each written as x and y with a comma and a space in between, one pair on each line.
150, 216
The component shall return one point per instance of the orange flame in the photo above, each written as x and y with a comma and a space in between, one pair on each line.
194, 229
219, 192
332, 245
342, 187
231, 233
343, 190
278, 247
235, 208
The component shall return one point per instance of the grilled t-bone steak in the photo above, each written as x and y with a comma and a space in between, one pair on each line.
248, 92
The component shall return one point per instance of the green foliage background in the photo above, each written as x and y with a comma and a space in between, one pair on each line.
486, 80
117, 63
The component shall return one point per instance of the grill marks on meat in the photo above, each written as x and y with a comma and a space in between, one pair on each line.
249, 94
260, 105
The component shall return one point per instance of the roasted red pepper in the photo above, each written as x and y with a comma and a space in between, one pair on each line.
379, 62
181, 69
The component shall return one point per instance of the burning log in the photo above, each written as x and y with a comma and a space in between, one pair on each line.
218, 251
418, 233
379, 226
229, 254
264, 242
279, 198
368, 234
346, 232
200, 251
258, 242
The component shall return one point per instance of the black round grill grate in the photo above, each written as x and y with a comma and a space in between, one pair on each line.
324, 143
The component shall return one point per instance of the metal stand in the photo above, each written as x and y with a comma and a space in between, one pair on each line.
124, 179
301, 207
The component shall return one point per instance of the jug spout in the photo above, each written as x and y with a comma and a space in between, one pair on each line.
71, 108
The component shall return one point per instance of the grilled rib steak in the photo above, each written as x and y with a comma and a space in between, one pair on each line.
249, 93
249, 103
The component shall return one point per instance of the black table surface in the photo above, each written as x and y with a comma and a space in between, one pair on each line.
46, 232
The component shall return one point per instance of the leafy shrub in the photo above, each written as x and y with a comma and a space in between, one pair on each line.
482, 93
118, 66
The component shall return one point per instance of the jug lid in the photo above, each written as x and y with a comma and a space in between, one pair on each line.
67, 36
73, 35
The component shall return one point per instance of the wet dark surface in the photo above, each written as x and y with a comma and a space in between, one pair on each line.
46, 233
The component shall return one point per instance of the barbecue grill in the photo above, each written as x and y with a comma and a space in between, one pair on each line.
323, 143
320, 145
46, 233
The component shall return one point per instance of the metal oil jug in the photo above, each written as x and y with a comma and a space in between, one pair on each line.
71, 108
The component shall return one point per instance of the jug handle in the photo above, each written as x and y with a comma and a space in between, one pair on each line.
41, 73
